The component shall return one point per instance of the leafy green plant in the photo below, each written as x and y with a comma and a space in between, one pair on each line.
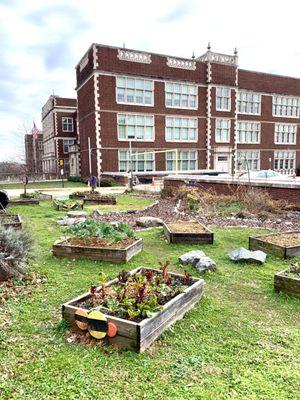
91, 229
66, 204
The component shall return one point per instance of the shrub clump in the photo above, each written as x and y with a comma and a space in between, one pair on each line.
15, 249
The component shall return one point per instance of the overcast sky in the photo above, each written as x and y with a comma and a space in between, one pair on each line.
42, 41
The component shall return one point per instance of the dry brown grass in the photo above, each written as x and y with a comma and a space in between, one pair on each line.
245, 199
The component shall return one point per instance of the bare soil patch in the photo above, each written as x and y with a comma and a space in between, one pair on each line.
284, 239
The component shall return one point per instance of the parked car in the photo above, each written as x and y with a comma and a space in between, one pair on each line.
264, 174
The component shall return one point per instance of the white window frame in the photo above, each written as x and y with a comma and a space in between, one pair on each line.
284, 133
247, 93
180, 127
284, 155
181, 84
68, 123
135, 162
245, 152
285, 98
222, 128
135, 78
69, 144
136, 125
171, 157
247, 131
222, 97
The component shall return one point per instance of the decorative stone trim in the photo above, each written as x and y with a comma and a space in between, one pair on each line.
134, 56
97, 126
209, 56
183, 64
208, 121
95, 61
84, 62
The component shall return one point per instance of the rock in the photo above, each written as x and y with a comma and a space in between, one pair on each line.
147, 222
77, 214
192, 257
242, 254
206, 264
67, 221
96, 213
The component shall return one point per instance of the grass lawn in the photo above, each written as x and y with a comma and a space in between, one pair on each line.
42, 185
242, 341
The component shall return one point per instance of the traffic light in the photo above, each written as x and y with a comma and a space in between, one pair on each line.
60, 162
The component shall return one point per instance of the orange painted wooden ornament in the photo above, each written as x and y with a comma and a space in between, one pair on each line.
111, 330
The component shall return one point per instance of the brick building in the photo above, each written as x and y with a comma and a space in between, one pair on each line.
215, 114
34, 153
59, 132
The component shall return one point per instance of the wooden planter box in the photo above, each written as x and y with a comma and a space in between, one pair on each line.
77, 196
206, 237
23, 201
138, 336
11, 221
287, 284
100, 200
45, 196
59, 207
63, 249
258, 243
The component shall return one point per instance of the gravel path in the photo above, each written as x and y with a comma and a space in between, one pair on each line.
169, 211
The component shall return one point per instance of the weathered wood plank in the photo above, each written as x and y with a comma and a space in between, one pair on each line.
206, 237
19, 202
61, 249
257, 242
287, 284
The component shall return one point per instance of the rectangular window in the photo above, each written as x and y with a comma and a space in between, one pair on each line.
181, 95
135, 126
187, 160
140, 162
249, 103
180, 129
285, 106
67, 124
248, 132
67, 143
284, 161
134, 91
222, 130
285, 134
223, 99
248, 160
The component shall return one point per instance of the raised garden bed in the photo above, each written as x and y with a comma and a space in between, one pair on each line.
288, 281
24, 201
283, 245
130, 331
188, 232
100, 252
101, 241
10, 221
79, 195
66, 205
99, 199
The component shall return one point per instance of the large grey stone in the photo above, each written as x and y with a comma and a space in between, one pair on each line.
147, 222
77, 214
192, 257
206, 264
242, 254
67, 221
